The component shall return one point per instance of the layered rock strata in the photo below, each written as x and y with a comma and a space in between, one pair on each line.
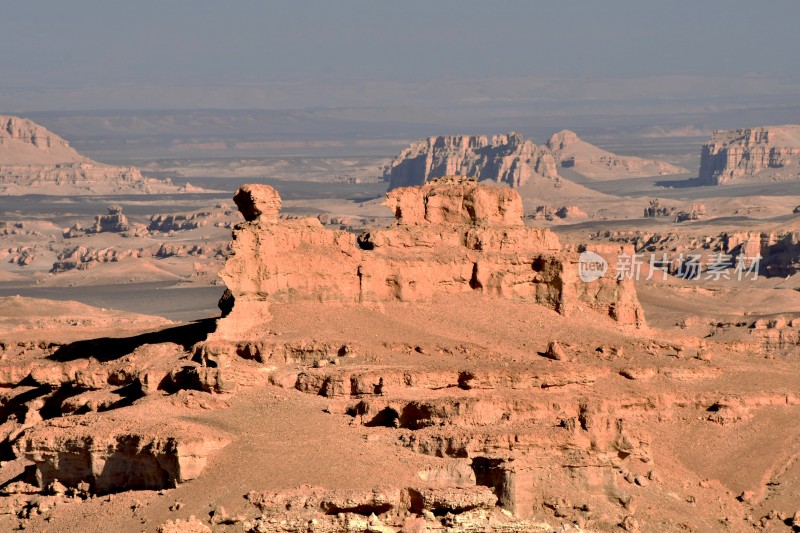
451, 236
761, 154
110, 458
513, 160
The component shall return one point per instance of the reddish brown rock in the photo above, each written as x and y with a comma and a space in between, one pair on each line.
451, 236
258, 202
114, 455
456, 200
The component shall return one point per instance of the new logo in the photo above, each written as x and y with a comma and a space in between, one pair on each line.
591, 266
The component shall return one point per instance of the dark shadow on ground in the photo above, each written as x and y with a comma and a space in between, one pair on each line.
682, 184
108, 349
365, 199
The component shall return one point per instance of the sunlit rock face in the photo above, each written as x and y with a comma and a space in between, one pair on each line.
451, 235
770, 153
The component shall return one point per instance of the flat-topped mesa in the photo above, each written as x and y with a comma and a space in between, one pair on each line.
451, 236
456, 200
769, 153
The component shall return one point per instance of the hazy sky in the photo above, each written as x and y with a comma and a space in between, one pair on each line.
75, 48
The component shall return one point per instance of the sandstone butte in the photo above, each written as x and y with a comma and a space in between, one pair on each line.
450, 236
769, 153
33, 158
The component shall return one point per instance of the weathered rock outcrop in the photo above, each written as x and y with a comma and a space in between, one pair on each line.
455, 200
114, 221
548, 212
765, 153
24, 142
258, 202
110, 458
655, 209
768, 253
506, 159
34, 160
778, 250
167, 223
513, 160
451, 236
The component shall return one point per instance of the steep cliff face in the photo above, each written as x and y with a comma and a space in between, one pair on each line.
770, 153
34, 160
451, 236
778, 250
506, 159
513, 160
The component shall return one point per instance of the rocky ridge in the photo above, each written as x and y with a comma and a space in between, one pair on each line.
570, 151
34, 160
513, 160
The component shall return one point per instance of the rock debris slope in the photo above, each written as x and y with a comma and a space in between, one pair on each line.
570, 151
34, 160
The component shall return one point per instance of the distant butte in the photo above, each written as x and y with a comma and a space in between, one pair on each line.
34, 160
768, 153
514, 160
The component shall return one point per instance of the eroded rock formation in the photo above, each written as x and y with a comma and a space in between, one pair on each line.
455, 200
766, 153
506, 159
24, 142
109, 457
513, 160
114, 221
451, 236
258, 202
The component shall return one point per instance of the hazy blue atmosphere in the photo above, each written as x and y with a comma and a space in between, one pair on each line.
92, 54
